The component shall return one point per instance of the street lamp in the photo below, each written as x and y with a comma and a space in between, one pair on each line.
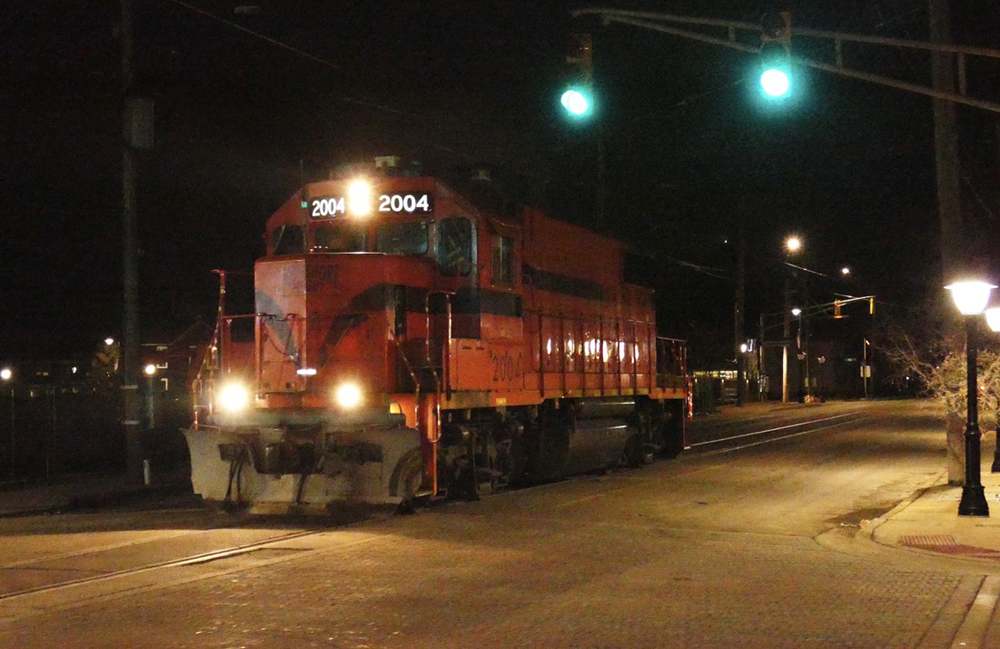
792, 245
6, 374
971, 298
993, 320
802, 378
150, 372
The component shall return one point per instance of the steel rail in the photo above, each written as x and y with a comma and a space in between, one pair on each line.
770, 440
204, 557
771, 430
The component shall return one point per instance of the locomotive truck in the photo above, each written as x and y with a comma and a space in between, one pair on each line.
411, 341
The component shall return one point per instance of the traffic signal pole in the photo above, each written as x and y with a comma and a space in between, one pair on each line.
131, 417
750, 33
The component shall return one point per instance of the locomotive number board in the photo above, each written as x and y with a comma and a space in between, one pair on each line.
398, 203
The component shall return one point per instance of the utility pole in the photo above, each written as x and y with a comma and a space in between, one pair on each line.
601, 178
948, 189
763, 394
786, 334
864, 367
740, 318
804, 327
946, 143
130, 326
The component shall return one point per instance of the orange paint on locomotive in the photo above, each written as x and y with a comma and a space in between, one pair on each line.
473, 327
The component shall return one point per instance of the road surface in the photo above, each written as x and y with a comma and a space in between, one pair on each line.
747, 540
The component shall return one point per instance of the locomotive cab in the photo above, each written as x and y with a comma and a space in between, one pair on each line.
352, 300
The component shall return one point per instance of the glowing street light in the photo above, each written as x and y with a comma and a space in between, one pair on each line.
150, 371
6, 374
792, 244
993, 320
971, 298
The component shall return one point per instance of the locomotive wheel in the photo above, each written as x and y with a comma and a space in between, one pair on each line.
635, 454
408, 478
673, 430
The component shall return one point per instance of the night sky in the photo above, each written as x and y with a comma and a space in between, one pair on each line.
243, 118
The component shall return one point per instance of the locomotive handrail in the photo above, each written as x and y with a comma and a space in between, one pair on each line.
445, 348
635, 357
413, 377
671, 358
541, 356
604, 350
207, 359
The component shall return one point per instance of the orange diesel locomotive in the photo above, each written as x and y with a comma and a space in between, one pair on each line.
410, 341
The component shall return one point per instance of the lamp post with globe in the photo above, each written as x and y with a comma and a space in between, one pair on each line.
6, 375
971, 298
993, 320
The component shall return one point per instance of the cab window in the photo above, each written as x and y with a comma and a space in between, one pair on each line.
503, 259
344, 236
455, 246
288, 240
408, 238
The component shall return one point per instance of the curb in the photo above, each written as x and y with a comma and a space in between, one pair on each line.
869, 530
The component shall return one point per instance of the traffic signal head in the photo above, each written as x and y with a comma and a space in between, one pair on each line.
775, 53
580, 55
776, 27
578, 98
577, 101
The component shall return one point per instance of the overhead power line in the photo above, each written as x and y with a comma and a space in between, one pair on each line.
322, 61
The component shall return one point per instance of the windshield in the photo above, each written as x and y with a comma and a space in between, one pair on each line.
287, 240
408, 238
344, 236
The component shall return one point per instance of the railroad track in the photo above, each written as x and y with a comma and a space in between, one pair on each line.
65, 571
66, 577
751, 433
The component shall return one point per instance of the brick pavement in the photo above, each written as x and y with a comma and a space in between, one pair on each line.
460, 579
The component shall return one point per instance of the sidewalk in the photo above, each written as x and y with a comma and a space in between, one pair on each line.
929, 520
84, 491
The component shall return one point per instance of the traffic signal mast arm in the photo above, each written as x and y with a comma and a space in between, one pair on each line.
670, 24
837, 304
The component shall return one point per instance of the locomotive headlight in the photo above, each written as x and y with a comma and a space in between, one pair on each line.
359, 198
348, 395
233, 397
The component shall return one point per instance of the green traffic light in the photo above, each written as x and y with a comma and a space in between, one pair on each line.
575, 102
775, 82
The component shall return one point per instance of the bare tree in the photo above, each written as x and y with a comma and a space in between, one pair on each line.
927, 350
